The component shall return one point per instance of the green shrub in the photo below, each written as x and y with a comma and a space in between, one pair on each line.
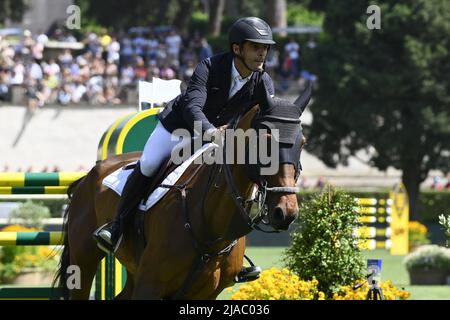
324, 246
432, 204
299, 15
30, 214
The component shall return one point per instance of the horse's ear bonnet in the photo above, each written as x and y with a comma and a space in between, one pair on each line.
284, 115
281, 114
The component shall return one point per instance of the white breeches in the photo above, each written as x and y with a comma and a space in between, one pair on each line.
157, 149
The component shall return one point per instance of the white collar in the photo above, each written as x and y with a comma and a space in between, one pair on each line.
235, 74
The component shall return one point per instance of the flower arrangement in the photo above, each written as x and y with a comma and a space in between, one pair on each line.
418, 234
429, 257
429, 264
276, 284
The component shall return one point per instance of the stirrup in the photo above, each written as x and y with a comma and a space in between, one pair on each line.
248, 273
105, 244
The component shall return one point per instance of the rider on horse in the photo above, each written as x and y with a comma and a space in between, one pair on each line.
220, 88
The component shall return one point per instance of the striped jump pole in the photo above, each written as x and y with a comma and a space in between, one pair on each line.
38, 179
31, 238
34, 190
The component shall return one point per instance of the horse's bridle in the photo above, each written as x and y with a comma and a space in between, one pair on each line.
242, 204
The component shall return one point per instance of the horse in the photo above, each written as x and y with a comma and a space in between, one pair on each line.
195, 235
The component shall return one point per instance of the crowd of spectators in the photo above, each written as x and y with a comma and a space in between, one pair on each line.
109, 66
441, 183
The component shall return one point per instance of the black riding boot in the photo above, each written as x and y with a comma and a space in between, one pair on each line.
133, 192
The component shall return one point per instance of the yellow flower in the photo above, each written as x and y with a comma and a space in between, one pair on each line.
276, 284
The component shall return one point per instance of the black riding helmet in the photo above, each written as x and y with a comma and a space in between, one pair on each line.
251, 29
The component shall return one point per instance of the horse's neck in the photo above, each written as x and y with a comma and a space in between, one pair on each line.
220, 219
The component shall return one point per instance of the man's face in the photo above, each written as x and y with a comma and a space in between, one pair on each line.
254, 54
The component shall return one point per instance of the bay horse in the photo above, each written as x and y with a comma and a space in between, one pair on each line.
194, 236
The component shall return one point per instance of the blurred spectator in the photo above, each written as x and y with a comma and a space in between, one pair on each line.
35, 71
320, 183
152, 47
173, 42
18, 74
437, 184
187, 71
65, 94
35, 98
127, 75
292, 51
65, 58
140, 70
93, 45
78, 92
4, 84
205, 50
167, 73
272, 62
153, 70
113, 50
304, 183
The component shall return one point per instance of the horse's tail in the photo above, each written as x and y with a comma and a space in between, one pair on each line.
61, 275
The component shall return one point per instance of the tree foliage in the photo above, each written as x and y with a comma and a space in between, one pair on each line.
12, 10
385, 91
122, 14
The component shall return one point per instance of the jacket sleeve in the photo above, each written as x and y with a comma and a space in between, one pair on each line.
195, 98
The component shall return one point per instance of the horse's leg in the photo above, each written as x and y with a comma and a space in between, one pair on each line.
127, 291
230, 267
88, 270
145, 288
146, 291
146, 284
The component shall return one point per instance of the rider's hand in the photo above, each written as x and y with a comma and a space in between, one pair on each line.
223, 128
215, 134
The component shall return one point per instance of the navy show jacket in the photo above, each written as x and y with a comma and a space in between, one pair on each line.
206, 97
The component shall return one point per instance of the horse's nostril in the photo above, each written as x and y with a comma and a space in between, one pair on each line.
278, 214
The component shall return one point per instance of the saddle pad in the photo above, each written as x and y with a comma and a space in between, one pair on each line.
116, 180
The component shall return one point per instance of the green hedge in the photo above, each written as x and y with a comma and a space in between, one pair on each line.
434, 203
